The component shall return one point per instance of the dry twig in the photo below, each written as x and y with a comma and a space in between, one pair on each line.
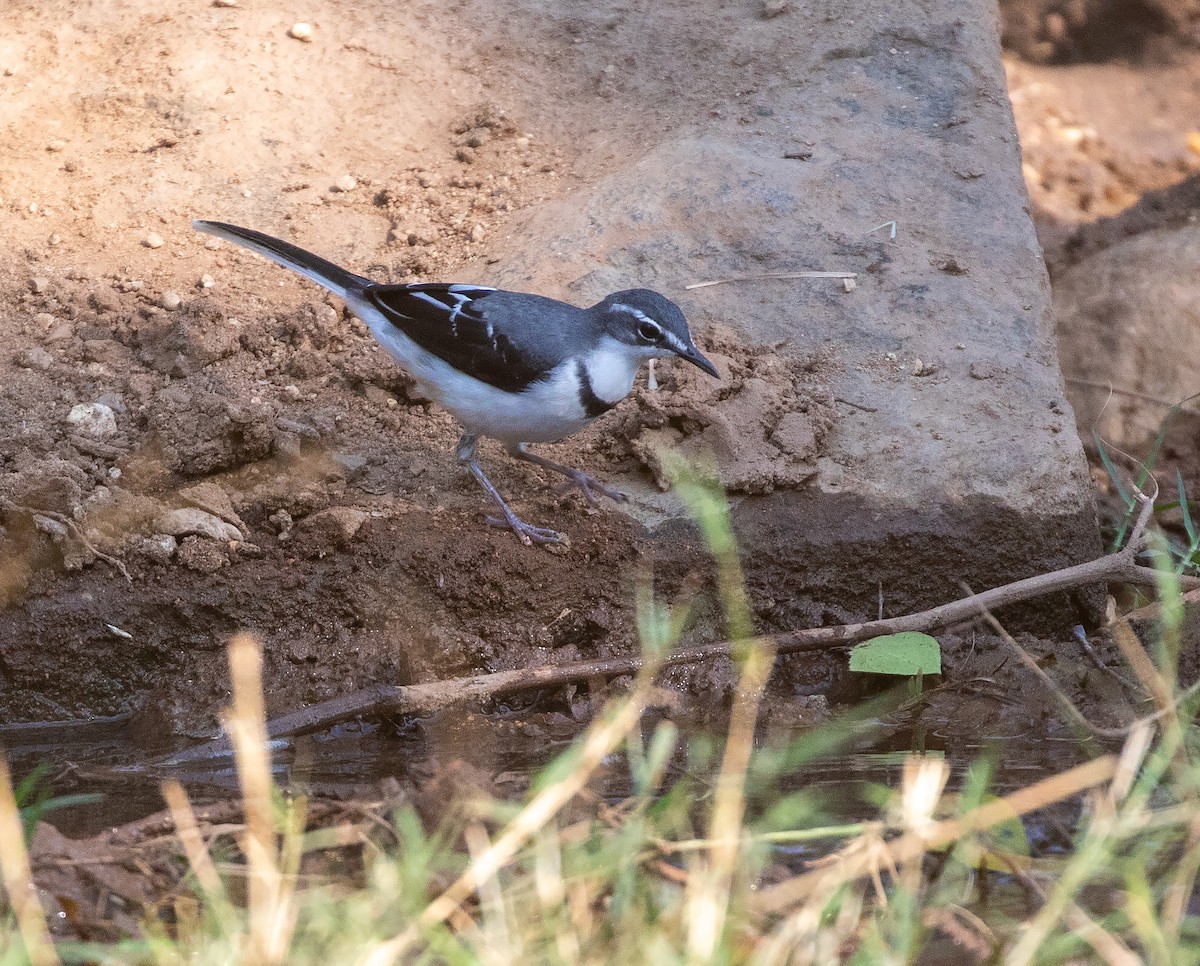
756, 278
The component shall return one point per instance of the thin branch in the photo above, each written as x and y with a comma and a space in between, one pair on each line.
71, 525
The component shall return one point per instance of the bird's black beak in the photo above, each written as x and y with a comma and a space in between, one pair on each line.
696, 358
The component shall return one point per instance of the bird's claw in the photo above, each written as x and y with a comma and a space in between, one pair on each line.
527, 533
589, 486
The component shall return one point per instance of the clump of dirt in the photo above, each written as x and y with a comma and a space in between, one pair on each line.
763, 421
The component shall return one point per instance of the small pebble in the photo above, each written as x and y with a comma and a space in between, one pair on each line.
153, 240
160, 547
773, 8
36, 358
212, 244
93, 419
56, 145
345, 183
224, 3
40, 285
354, 464
301, 31
206, 281
477, 233
849, 285
59, 330
55, 239
192, 521
918, 367
170, 301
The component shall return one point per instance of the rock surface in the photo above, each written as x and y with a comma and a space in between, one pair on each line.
1129, 322
936, 377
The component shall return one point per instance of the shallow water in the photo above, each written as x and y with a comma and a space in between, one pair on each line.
349, 761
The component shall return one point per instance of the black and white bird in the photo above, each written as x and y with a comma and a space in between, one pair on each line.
514, 367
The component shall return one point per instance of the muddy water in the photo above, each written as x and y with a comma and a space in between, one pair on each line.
503, 753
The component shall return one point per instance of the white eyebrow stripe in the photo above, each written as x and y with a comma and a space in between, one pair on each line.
637, 313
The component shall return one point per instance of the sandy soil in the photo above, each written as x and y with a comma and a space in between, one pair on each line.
119, 129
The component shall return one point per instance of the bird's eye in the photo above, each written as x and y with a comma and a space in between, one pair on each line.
649, 332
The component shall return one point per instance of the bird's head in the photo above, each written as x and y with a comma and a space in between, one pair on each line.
652, 325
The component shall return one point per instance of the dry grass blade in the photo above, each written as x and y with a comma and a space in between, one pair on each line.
1065, 703
709, 886
271, 917
1108, 947
1137, 658
600, 741
823, 881
18, 880
192, 841
498, 946
770, 275
1183, 884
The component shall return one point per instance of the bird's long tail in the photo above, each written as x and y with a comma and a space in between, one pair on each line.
337, 280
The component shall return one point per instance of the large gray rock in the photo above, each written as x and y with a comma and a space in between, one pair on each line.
930, 439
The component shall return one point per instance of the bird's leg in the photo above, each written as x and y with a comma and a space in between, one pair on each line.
526, 533
588, 484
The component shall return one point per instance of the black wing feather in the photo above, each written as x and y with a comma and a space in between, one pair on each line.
451, 322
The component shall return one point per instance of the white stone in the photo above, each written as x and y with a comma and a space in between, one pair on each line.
93, 419
189, 521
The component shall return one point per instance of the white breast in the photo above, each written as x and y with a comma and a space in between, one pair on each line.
612, 368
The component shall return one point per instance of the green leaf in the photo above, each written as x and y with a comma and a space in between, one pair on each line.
907, 654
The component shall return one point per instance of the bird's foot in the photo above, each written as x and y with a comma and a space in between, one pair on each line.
590, 487
527, 533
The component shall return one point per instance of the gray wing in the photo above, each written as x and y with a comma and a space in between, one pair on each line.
473, 329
